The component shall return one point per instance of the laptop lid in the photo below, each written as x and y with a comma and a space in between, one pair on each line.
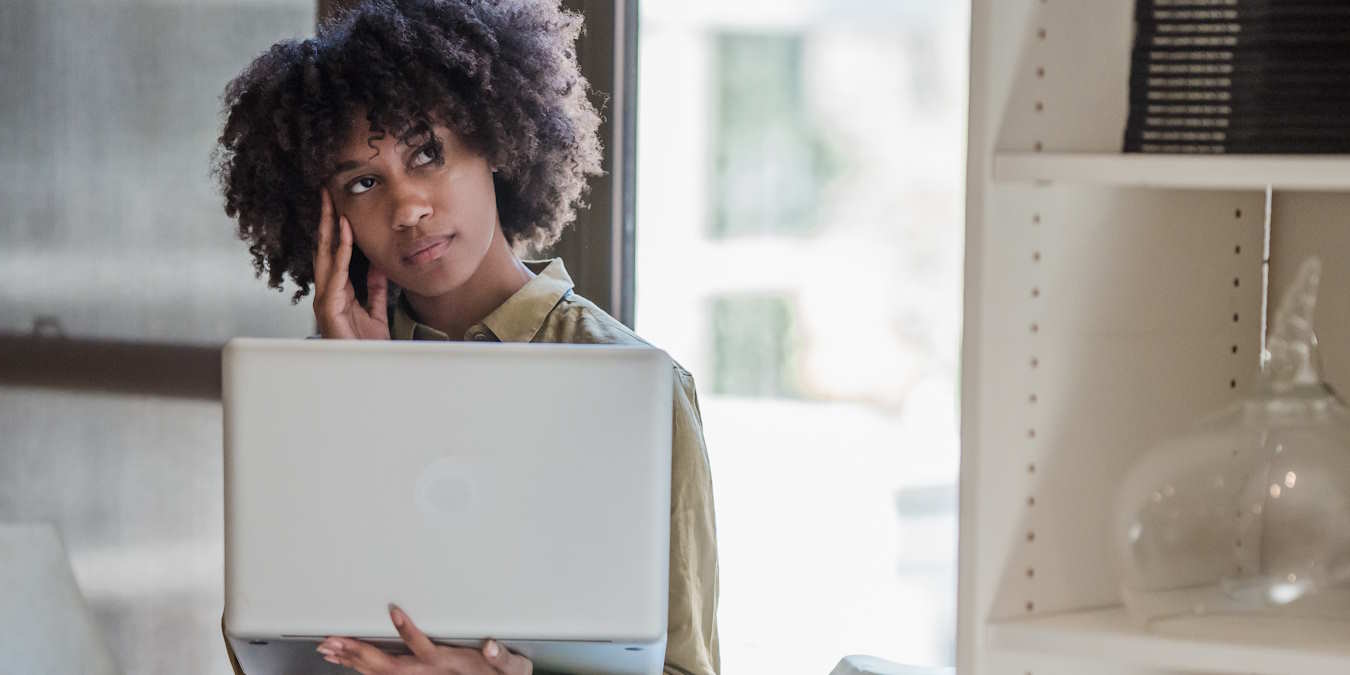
514, 491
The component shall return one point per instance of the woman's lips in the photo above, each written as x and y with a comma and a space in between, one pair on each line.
435, 250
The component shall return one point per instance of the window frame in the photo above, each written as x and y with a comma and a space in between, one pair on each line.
599, 247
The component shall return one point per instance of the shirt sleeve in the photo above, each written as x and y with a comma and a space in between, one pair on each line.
691, 641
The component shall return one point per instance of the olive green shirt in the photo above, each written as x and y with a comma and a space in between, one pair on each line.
546, 310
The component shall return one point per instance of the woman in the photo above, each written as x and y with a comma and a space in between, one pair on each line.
397, 162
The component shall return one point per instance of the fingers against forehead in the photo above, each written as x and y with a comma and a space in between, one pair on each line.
324, 251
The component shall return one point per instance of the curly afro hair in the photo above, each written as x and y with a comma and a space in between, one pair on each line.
502, 74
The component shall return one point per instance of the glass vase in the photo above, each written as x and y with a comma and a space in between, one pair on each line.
1248, 512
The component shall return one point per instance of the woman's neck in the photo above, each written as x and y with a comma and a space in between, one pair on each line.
497, 278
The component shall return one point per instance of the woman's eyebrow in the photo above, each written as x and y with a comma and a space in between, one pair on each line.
350, 164
347, 166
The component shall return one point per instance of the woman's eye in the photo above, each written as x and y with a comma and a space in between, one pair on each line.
429, 152
361, 185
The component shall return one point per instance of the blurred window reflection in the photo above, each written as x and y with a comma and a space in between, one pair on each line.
112, 226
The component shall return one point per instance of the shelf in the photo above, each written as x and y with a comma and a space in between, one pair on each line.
1232, 172
1204, 644
1068, 102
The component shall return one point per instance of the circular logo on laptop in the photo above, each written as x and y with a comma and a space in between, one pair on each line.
443, 489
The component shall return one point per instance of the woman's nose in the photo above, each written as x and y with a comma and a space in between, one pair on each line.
410, 208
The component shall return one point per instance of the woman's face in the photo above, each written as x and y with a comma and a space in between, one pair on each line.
423, 214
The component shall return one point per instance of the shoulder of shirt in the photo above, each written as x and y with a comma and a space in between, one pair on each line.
592, 325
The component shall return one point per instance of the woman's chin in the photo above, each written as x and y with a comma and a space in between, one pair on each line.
432, 282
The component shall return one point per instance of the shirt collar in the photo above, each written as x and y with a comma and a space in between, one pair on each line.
518, 319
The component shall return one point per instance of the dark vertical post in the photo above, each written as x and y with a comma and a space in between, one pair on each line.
598, 249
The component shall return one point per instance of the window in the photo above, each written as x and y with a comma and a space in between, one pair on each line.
752, 346
800, 178
769, 161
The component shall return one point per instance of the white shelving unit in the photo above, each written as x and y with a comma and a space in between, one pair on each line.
1242, 172
1065, 107
1201, 645
1110, 300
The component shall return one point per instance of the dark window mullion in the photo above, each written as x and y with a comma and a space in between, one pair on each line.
599, 247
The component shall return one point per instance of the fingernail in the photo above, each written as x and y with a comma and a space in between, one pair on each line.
396, 614
331, 645
492, 650
322, 649
333, 660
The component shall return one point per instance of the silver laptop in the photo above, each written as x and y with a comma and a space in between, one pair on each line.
512, 491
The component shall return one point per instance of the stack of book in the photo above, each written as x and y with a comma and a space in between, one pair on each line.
1240, 76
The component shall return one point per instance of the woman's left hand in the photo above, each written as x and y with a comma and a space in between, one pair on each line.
426, 658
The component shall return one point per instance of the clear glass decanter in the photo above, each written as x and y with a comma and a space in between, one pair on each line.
1249, 512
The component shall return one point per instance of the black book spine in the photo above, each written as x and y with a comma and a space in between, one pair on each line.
1239, 66
1330, 98
1332, 37
1158, 15
1147, 8
1229, 136
1264, 55
1262, 147
1256, 123
1240, 76
1240, 84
